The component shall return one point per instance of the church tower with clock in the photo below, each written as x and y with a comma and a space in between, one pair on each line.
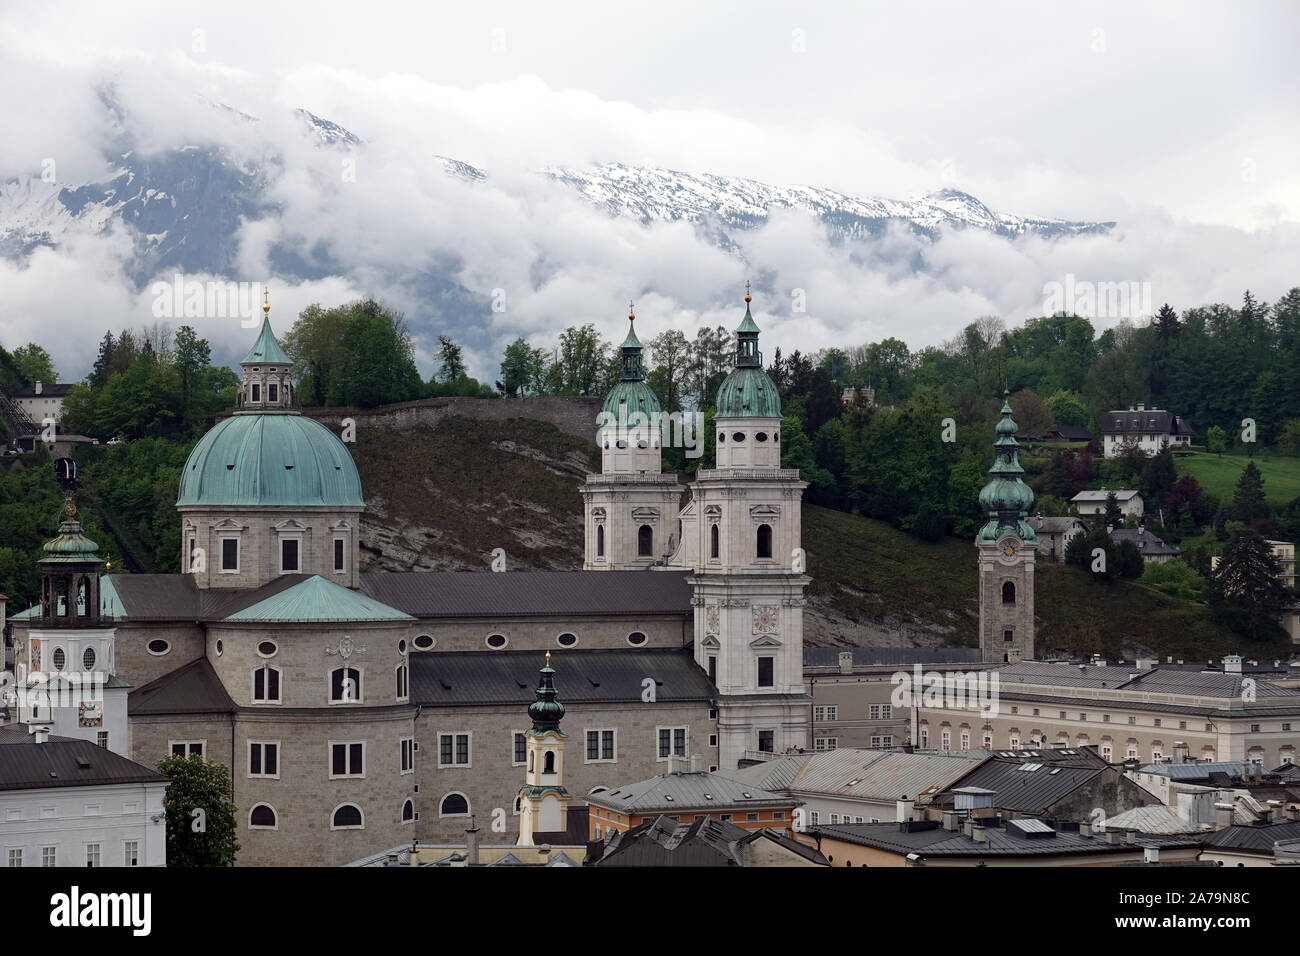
1007, 547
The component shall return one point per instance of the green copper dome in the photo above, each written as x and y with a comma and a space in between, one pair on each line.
631, 389
1006, 498
747, 392
71, 546
546, 710
270, 459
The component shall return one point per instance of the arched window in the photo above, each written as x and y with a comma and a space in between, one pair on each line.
262, 816
645, 541
345, 685
408, 812
530, 761
548, 763
713, 541
600, 540
454, 805
266, 684
403, 682
346, 817
1008, 592
765, 541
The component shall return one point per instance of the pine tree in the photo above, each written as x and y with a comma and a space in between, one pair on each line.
1114, 516
1249, 495
104, 362
1245, 590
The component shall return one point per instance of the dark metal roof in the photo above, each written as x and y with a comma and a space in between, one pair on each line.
1150, 421
175, 597
192, 689
1032, 781
890, 656
688, 791
575, 833
48, 390
1254, 839
451, 678
1146, 542
1072, 433
450, 594
707, 841
63, 762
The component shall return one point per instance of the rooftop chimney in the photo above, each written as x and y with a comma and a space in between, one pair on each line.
950, 820
1085, 829
977, 834
1130, 836
471, 835
1232, 664
40, 733
1151, 854
904, 809
38, 387
695, 763
1223, 815
1142, 408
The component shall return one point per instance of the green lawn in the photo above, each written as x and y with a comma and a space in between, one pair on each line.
1219, 474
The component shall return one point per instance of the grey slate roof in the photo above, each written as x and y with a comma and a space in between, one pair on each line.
1146, 542
63, 762
1151, 421
1055, 525
1033, 781
575, 834
934, 841
1121, 495
704, 842
48, 390
679, 792
1174, 680
1071, 432
451, 678
890, 656
1194, 771
866, 774
1254, 839
192, 689
174, 597
778, 774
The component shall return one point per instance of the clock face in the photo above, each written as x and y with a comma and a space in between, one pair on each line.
764, 618
1009, 546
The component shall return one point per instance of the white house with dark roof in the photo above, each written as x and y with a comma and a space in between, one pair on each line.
1152, 548
68, 802
1055, 533
1092, 503
1149, 429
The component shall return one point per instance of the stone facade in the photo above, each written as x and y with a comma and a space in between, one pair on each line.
258, 551
1006, 573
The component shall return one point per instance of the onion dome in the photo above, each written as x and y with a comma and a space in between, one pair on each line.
747, 392
1006, 498
71, 546
546, 710
631, 389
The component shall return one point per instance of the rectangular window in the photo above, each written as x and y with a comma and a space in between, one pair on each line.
257, 392
453, 750
347, 760
874, 712
338, 554
288, 554
814, 817
16, 856
672, 742
828, 743
49, 856
271, 392
101, 738
230, 555
264, 759
713, 669
92, 854
765, 671
819, 713
767, 741
835, 818
185, 748
131, 853
189, 552
600, 745
521, 749
407, 745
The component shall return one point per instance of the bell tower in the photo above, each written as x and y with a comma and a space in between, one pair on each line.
543, 801
630, 508
266, 383
1007, 547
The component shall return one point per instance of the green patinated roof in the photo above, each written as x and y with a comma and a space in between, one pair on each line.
748, 393
631, 342
246, 459
747, 324
71, 546
638, 396
1006, 498
320, 601
266, 348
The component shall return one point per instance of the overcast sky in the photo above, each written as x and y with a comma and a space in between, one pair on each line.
1178, 120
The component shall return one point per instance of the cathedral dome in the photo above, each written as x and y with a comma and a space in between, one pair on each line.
631, 389
270, 459
748, 392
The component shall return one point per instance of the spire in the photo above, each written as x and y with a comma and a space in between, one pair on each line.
633, 369
266, 350
546, 710
747, 353
1006, 498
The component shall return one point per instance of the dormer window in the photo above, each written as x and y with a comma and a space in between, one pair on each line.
271, 391
257, 392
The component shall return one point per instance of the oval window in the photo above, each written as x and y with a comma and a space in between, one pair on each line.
88, 659
59, 658
401, 647
158, 646
567, 640
636, 638
722, 437
220, 647
761, 436
267, 648
737, 436
496, 641
424, 642
620, 443
776, 436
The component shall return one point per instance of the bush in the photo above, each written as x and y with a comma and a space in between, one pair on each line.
1175, 578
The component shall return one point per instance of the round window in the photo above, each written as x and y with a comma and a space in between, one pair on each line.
267, 648
158, 646
737, 436
88, 659
401, 647
722, 437
567, 640
776, 436
60, 659
636, 638
761, 436
424, 642
220, 648
620, 443
496, 641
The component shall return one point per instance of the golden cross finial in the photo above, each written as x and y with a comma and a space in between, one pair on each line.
631, 312
747, 297
548, 658
266, 301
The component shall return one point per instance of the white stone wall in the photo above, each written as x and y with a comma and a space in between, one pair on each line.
70, 818
259, 532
